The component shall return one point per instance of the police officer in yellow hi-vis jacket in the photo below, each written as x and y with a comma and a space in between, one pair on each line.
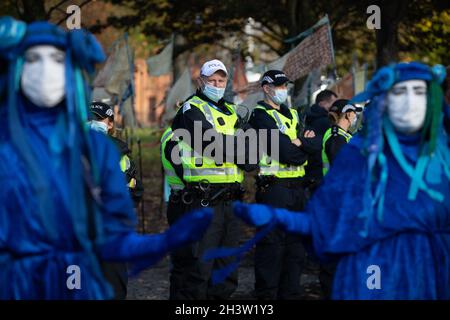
343, 116
173, 176
103, 121
279, 257
210, 179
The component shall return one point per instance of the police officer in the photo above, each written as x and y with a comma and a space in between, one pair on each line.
173, 175
343, 116
211, 179
279, 257
103, 121
317, 120
173, 171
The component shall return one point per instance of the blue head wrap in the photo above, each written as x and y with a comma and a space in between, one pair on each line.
82, 52
378, 129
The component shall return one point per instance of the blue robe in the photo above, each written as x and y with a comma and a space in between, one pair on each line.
35, 264
410, 246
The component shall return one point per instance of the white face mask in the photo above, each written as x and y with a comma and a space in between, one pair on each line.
99, 126
280, 96
214, 93
354, 121
407, 105
43, 76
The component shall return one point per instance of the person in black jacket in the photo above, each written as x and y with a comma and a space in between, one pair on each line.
103, 121
279, 257
207, 110
318, 121
343, 115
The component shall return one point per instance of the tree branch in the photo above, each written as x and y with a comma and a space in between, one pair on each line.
267, 43
54, 8
345, 13
276, 33
20, 12
269, 33
225, 47
68, 15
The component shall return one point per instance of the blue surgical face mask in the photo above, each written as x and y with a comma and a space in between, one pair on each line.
99, 126
354, 121
214, 93
280, 96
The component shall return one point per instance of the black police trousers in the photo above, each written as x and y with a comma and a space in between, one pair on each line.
116, 273
280, 256
190, 277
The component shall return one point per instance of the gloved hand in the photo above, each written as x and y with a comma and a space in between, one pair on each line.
259, 215
132, 247
293, 222
254, 214
189, 228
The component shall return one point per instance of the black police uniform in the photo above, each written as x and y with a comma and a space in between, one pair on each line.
279, 257
318, 121
116, 273
175, 209
332, 147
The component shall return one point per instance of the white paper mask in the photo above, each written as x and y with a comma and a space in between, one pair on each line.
407, 105
43, 75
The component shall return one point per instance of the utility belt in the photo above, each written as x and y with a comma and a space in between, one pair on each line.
207, 194
263, 182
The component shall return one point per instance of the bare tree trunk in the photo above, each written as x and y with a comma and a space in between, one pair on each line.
293, 16
300, 19
392, 13
33, 10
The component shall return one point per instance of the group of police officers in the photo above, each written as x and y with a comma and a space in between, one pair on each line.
197, 179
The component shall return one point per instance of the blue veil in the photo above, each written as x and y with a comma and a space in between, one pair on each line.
378, 131
71, 134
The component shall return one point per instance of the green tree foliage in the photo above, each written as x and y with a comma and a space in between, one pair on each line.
432, 35
401, 35
410, 29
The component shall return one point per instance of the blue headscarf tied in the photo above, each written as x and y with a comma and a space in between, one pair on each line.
82, 52
386, 77
16, 37
11, 32
378, 131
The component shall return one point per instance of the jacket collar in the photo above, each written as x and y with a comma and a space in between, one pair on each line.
284, 110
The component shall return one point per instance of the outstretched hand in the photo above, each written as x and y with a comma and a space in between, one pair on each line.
189, 228
259, 215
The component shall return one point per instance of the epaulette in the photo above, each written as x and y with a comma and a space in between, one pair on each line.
334, 130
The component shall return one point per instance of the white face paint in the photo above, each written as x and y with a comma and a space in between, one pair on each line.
43, 75
407, 105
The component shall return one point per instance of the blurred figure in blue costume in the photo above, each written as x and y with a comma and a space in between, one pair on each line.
63, 198
383, 212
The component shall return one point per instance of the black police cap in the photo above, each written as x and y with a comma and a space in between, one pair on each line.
274, 77
102, 110
344, 105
